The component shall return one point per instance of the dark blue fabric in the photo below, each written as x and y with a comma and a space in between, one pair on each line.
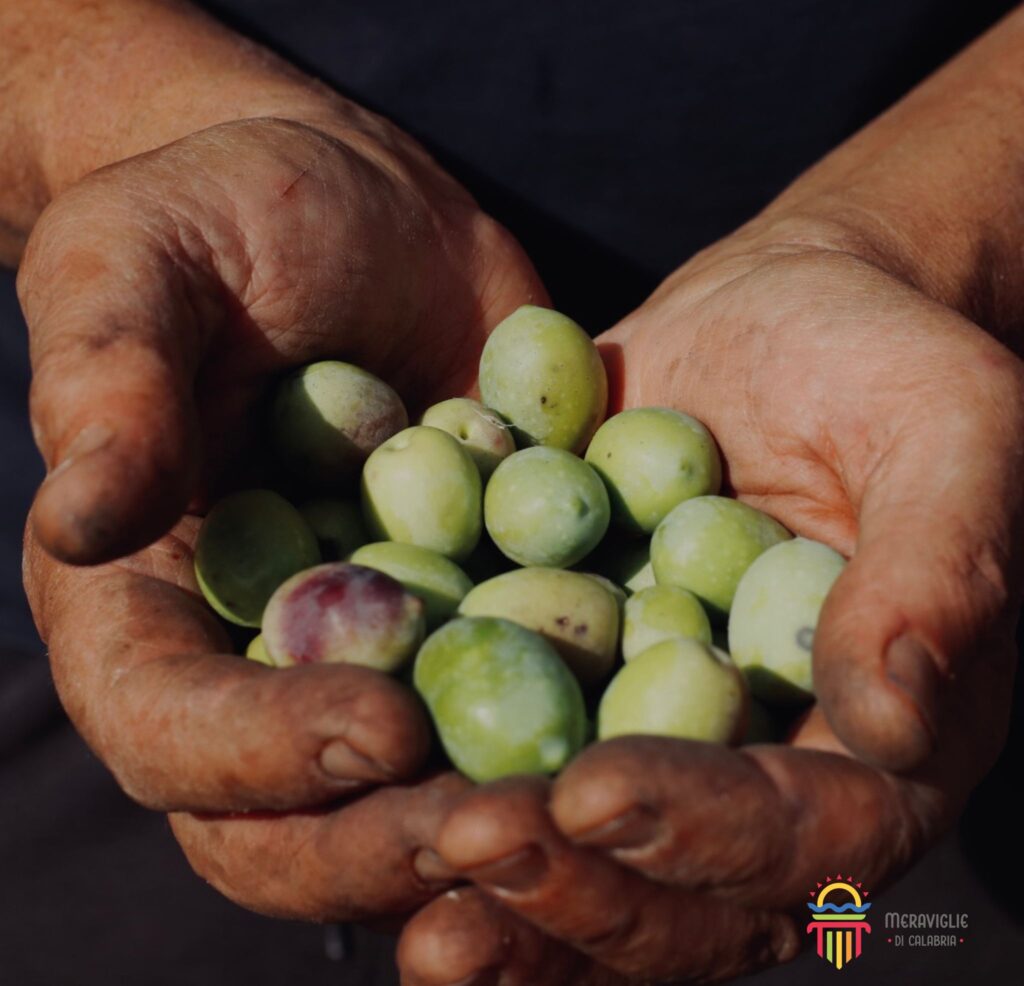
614, 139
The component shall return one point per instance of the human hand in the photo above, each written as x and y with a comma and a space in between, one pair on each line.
860, 413
164, 295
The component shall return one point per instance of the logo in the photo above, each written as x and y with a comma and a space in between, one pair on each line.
840, 922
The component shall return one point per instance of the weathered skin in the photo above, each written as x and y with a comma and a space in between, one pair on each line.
545, 506
343, 613
775, 614
680, 687
337, 524
437, 580
801, 322
255, 651
572, 611
482, 432
328, 417
659, 613
651, 459
422, 487
543, 373
707, 543
501, 697
249, 543
279, 207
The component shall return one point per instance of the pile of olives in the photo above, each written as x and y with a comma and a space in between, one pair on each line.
548, 575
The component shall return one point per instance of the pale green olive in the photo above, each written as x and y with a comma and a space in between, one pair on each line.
659, 613
680, 687
482, 432
501, 698
545, 506
248, 544
651, 459
574, 612
544, 375
707, 543
257, 652
775, 614
437, 580
328, 417
421, 487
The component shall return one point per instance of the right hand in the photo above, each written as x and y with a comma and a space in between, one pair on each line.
164, 295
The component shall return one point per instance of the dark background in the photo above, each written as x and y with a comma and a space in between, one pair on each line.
614, 139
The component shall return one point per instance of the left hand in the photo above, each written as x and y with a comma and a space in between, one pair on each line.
164, 295
860, 413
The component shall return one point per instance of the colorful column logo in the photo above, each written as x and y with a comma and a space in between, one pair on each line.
839, 927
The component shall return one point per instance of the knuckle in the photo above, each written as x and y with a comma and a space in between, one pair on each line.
389, 712
315, 704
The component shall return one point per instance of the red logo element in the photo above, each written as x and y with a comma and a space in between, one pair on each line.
839, 922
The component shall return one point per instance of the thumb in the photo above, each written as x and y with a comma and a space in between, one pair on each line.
932, 584
113, 340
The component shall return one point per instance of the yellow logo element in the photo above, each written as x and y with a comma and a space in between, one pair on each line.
839, 927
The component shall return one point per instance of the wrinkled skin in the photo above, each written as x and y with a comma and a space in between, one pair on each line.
164, 295
859, 413
855, 410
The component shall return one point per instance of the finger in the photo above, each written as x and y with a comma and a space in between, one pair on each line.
464, 938
764, 823
116, 323
682, 813
932, 573
502, 838
145, 672
362, 859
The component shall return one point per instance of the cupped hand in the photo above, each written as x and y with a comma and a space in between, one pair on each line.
860, 413
164, 295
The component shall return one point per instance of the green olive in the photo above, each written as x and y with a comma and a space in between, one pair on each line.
572, 611
775, 614
706, 544
651, 459
248, 544
543, 373
501, 698
680, 687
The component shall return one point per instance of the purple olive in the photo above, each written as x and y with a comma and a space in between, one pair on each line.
343, 613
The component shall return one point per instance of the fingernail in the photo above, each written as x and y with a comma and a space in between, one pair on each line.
516, 872
90, 439
910, 667
340, 760
634, 828
431, 868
